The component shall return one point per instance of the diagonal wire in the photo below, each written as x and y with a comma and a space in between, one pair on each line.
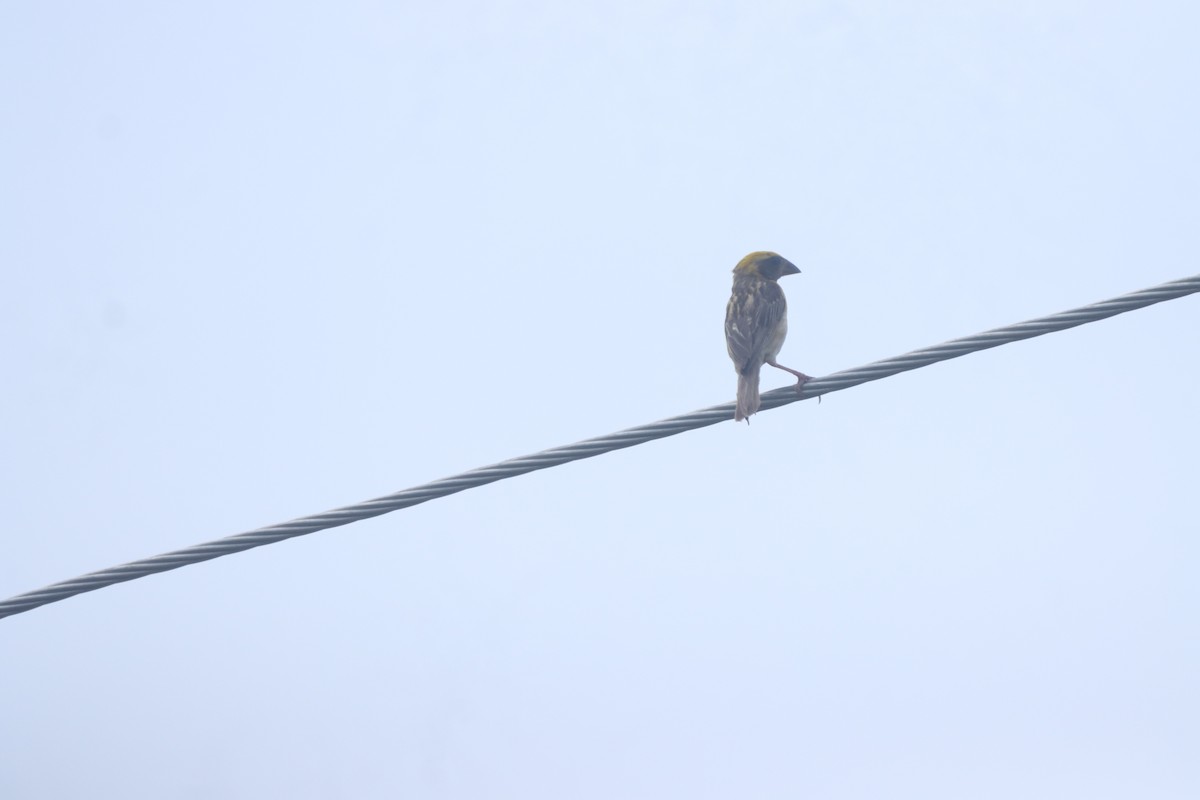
593, 447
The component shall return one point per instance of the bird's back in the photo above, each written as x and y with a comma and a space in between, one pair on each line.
755, 321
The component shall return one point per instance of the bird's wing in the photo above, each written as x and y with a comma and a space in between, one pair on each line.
751, 318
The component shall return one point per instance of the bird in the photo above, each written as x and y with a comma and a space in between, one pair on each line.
756, 324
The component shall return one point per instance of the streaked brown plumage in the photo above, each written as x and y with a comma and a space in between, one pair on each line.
756, 324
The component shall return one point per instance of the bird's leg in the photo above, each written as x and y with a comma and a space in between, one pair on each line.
801, 378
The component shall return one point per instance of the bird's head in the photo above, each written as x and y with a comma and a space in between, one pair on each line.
765, 264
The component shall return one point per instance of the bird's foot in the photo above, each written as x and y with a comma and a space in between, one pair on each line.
802, 379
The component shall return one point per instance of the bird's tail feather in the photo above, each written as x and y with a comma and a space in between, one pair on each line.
747, 396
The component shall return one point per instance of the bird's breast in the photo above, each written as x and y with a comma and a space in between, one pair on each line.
775, 342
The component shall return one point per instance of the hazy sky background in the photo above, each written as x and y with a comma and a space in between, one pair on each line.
260, 260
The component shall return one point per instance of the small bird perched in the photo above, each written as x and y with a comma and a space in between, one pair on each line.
756, 324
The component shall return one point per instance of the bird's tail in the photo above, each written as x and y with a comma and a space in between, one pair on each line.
747, 397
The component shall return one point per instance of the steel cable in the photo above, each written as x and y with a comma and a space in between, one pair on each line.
594, 447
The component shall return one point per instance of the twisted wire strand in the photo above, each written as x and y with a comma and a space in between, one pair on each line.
588, 448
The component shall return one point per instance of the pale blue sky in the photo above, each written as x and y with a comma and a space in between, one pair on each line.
260, 260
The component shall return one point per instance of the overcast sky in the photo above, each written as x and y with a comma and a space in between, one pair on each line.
261, 260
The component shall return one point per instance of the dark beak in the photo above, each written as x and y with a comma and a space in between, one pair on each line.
789, 268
